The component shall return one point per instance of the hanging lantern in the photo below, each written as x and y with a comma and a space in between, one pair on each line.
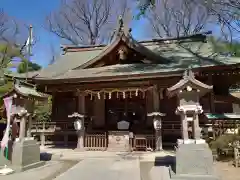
110, 95
99, 96
124, 95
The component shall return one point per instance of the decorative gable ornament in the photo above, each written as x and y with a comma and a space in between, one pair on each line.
123, 125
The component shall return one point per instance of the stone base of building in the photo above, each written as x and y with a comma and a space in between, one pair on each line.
118, 141
194, 161
25, 155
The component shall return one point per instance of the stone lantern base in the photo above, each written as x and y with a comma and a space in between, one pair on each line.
194, 162
25, 155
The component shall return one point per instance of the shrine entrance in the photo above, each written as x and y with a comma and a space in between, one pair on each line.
124, 117
127, 109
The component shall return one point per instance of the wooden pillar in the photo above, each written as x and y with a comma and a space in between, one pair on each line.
211, 97
99, 112
81, 110
156, 108
156, 99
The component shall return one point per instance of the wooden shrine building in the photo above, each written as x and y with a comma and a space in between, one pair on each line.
113, 88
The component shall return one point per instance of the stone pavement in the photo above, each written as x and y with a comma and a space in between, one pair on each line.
103, 169
71, 154
40, 173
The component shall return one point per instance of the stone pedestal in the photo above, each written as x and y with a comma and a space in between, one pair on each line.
25, 155
80, 143
118, 141
194, 162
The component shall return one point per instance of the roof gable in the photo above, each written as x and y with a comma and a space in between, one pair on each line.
129, 42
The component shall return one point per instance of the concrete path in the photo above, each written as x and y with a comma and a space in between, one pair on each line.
103, 169
40, 173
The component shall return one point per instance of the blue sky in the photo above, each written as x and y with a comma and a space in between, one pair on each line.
34, 12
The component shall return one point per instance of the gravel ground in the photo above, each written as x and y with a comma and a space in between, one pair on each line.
227, 171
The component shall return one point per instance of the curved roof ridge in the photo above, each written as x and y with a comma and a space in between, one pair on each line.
133, 44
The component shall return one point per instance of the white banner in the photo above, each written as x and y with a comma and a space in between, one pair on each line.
8, 106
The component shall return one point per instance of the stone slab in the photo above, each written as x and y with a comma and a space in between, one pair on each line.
194, 177
118, 141
194, 159
103, 169
26, 155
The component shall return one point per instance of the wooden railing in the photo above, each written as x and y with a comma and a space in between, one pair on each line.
145, 142
95, 141
54, 133
52, 126
171, 126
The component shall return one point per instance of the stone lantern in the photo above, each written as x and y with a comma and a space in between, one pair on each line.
25, 152
80, 128
194, 158
189, 90
157, 124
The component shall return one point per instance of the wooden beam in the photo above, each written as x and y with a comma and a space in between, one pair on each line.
163, 83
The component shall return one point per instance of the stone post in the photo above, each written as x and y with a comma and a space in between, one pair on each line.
23, 116
184, 127
80, 129
80, 144
196, 128
157, 124
31, 110
158, 140
81, 116
22, 128
29, 134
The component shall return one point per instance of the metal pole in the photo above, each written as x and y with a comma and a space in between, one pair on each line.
29, 50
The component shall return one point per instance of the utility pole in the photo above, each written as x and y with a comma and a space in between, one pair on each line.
29, 49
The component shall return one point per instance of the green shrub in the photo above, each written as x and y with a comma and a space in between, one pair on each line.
224, 141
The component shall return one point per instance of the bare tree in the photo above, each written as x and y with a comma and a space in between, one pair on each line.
54, 54
84, 22
170, 18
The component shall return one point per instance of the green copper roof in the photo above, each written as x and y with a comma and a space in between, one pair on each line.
222, 116
26, 90
178, 55
69, 61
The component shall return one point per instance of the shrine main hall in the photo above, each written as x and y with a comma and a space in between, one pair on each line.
120, 96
